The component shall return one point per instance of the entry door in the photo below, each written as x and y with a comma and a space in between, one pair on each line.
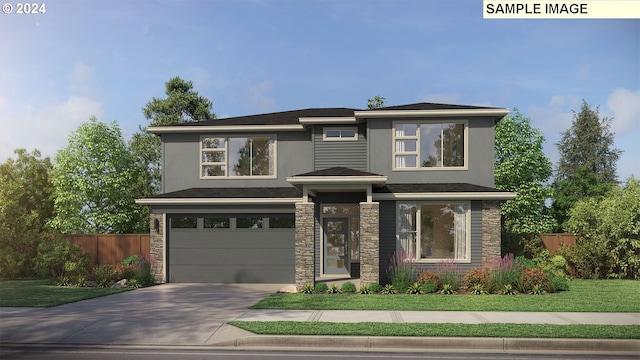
335, 243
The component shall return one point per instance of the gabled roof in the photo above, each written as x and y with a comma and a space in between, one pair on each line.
277, 118
338, 171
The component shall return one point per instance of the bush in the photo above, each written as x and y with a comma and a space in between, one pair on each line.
524, 263
429, 288
414, 289
401, 271
334, 289
130, 260
475, 277
587, 259
558, 283
502, 273
106, 275
364, 289
375, 288
348, 287
389, 290
430, 277
321, 287
449, 274
59, 257
144, 275
533, 277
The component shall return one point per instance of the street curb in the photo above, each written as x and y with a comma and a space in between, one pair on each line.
384, 343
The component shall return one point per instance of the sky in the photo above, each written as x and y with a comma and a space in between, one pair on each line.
109, 58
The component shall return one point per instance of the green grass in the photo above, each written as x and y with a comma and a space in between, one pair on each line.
40, 293
443, 330
584, 296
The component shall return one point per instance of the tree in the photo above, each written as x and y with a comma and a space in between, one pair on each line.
587, 165
25, 206
609, 229
376, 102
522, 167
93, 180
181, 105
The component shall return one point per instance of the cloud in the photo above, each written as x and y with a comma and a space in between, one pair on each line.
257, 97
625, 107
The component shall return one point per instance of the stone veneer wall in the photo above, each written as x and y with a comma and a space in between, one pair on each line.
156, 247
490, 230
369, 243
304, 240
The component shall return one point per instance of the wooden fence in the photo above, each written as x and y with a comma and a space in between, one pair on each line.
111, 248
552, 242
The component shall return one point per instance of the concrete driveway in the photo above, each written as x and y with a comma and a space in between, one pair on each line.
169, 314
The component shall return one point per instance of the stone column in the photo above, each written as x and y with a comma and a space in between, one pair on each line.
369, 242
304, 240
490, 230
156, 246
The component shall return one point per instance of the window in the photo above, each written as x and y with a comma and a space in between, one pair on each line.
429, 145
184, 223
432, 232
339, 134
248, 223
238, 156
216, 223
282, 222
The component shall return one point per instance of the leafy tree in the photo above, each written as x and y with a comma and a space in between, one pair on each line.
609, 229
587, 165
93, 179
182, 104
26, 204
376, 102
522, 167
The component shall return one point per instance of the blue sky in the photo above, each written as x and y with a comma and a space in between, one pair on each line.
109, 58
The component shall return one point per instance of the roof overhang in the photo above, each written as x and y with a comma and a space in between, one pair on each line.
328, 120
497, 112
223, 128
216, 201
337, 180
446, 196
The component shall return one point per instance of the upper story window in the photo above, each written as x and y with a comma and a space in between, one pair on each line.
253, 156
428, 145
339, 134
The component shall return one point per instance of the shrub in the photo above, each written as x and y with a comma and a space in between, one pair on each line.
449, 274
478, 289
307, 289
475, 277
143, 275
389, 289
364, 289
524, 263
134, 284
447, 289
502, 273
587, 259
558, 283
532, 277
401, 271
321, 287
431, 277
429, 288
106, 275
415, 289
508, 289
348, 287
63, 281
537, 290
334, 289
59, 257
130, 260
375, 288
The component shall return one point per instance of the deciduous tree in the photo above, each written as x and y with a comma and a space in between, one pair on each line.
376, 102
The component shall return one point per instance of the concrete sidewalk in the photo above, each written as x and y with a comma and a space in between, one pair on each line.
196, 315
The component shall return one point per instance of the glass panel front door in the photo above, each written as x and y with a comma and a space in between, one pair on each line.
335, 244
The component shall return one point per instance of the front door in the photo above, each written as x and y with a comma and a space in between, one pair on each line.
335, 243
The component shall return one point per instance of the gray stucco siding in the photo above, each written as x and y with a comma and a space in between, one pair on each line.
349, 154
181, 155
480, 154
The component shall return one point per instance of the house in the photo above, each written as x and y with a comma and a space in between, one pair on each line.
326, 193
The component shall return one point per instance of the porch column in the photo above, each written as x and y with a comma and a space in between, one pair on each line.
304, 238
157, 245
369, 242
490, 230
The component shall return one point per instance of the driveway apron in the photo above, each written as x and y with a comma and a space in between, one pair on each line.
169, 314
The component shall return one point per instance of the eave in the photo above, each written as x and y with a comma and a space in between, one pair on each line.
217, 201
446, 196
224, 128
497, 112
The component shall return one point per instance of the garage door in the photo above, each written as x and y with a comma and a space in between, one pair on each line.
231, 249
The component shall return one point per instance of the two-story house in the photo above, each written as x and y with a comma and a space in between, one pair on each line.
307, 195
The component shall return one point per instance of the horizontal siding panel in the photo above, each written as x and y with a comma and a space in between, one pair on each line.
350, 154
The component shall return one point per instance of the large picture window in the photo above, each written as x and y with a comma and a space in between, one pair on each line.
434, 231
238, 156
429, 145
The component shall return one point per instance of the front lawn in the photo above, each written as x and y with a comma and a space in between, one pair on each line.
442, 330
584, 296
40, 293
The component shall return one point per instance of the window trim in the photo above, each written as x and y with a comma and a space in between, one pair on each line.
225, 164
340, 128
418, 235
465, 122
